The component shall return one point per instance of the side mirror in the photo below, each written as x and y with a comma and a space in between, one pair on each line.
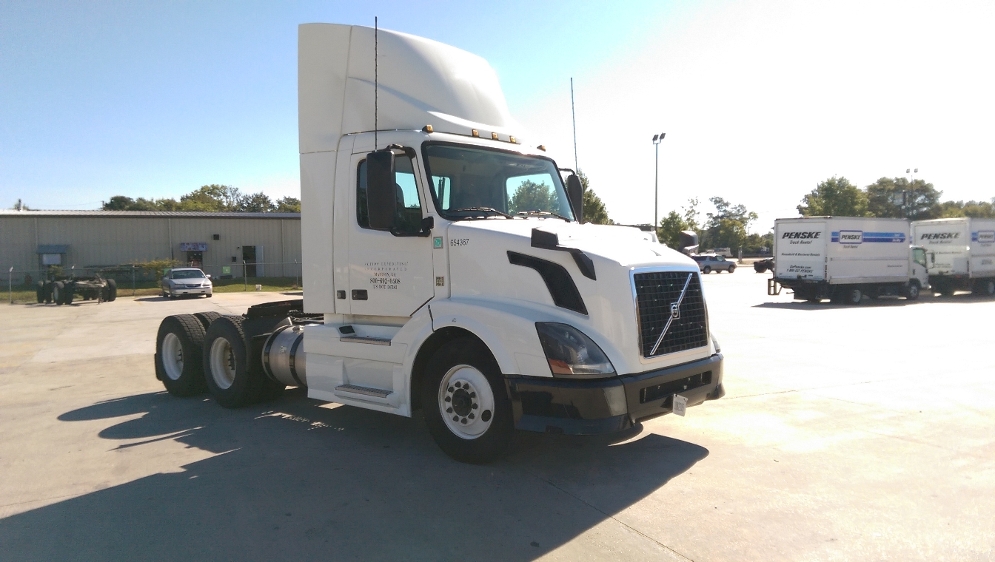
381, 189
575, 192
208, 275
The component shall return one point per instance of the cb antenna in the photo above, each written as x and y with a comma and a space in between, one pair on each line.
376, 79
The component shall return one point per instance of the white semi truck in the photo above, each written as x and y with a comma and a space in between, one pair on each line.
845, 258
960, 254
445, 268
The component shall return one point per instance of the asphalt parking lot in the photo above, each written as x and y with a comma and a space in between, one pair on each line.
847, 433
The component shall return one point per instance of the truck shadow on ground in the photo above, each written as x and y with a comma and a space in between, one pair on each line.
292, 480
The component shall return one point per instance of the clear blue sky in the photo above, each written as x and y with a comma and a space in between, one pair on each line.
761, 100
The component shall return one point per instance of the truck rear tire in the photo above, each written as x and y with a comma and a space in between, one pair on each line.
110, 291
226, 364
706, 270
179, 355
206, 318
852, 296
58, 288
40, 292
984, 287
732, 268
466, 406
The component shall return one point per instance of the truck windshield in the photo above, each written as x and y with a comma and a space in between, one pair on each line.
473, 182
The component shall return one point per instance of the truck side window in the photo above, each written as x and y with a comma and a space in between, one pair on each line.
408, 202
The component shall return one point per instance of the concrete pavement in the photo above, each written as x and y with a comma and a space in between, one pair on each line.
848, 433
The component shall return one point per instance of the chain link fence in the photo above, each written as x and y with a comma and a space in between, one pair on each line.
133, 279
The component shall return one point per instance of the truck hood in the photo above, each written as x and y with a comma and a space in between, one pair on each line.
621, 245
579, 274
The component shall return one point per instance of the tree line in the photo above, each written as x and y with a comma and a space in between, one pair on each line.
210, 198
888, 198
728, 226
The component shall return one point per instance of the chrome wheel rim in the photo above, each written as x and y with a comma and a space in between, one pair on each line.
222, 363
466, 402
172, 356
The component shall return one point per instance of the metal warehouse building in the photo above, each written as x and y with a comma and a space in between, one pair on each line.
219, 243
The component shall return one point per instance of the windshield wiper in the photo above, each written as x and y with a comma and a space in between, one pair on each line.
485, 211
542, 214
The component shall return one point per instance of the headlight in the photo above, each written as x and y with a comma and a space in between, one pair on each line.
572, 354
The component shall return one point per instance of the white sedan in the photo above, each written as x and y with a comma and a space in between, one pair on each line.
186, 281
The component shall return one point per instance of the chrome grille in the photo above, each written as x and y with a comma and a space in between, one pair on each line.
657, 296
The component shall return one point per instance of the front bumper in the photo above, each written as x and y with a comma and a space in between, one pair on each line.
177, 291
591, 406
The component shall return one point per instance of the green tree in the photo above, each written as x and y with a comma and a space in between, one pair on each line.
897, 198
288, 205
670, 228
532, 196
256, 203
756, 243
214, 197
595, 211
834, 197
727, 226
973, 209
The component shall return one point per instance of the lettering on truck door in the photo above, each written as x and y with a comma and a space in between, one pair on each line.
389, 275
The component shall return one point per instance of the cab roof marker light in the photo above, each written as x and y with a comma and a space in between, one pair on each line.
427, 129
475, 132
542, 147
494, 136
512, 140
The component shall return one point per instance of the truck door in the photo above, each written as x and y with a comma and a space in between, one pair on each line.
389, 275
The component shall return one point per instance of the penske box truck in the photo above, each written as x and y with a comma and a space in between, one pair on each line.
960, 254
446, 268
843, 259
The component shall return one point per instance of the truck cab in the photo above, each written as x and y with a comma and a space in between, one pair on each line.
447, 268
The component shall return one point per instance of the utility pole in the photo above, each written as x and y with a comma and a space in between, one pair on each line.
657, 139
573, 115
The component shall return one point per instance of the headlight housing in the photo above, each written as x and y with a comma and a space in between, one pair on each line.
570, 353
715, 343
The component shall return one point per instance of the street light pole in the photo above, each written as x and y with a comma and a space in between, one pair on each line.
657, 139
910, 200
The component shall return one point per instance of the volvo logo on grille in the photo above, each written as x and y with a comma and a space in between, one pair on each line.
675, 314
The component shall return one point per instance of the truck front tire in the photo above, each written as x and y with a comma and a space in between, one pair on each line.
465, 402
178, 355
912, 291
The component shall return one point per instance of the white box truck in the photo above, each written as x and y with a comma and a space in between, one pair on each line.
445, 268
960, 254
845, 258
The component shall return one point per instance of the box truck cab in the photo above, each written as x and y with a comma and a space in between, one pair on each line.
446, 268
960, 254
844, 259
